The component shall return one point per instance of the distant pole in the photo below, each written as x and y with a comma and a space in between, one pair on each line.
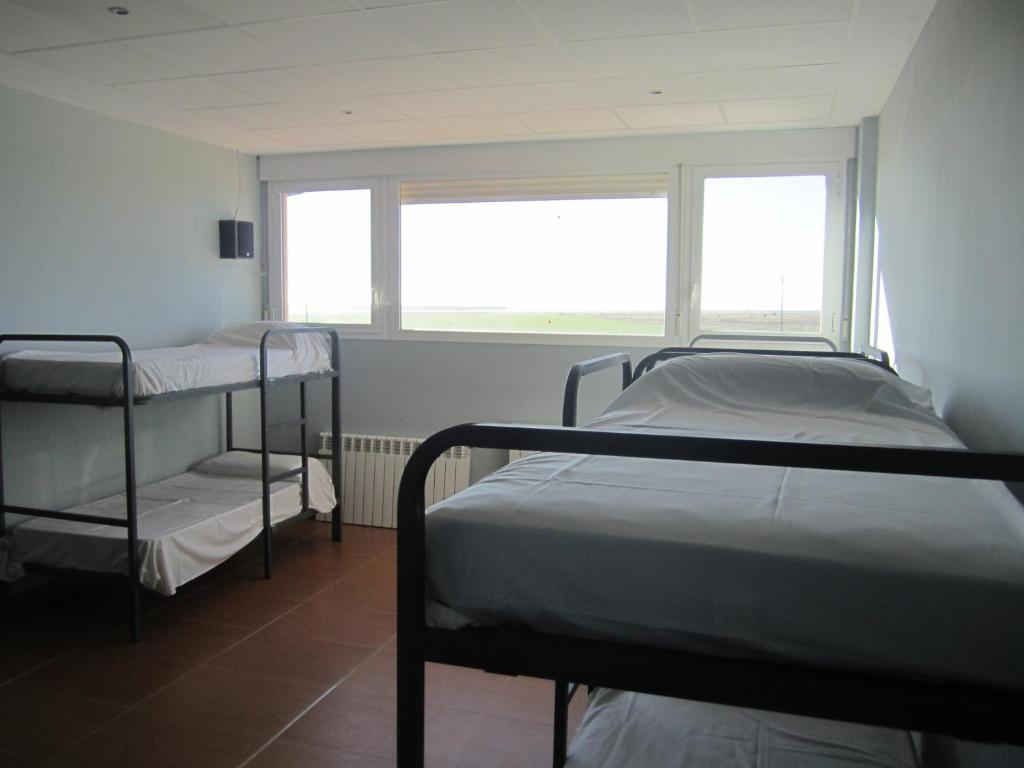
782, 300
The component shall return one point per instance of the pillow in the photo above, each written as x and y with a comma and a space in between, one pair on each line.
247, 465
251, 334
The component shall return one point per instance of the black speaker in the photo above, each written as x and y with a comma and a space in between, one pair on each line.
236, 239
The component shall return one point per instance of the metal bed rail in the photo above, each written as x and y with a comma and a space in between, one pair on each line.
127, 403
967, 711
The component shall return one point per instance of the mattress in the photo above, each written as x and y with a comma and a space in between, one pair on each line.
909, 575
622, 729
230, 356
187, 524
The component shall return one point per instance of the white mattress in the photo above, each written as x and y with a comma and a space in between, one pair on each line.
918, 576
622, 729
187, 525
230, 356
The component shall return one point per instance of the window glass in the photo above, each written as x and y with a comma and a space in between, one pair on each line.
763, 254
327, 256
570, 259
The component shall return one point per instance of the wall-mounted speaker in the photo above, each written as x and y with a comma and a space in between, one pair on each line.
236, 239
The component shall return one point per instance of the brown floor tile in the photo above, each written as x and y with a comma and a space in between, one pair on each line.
35, 723
341, 624
376, 676
360, 591
462, 688
236, 604
141, 738
353, 721
99, 673
292, 754
524, 698
234, 699
178, 641
305, 660
499, 742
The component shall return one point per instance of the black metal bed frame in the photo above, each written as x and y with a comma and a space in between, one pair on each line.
964, 710
127, 403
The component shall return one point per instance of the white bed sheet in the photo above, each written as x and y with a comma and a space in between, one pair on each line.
919, 576
622, 729
188, 524
224, 358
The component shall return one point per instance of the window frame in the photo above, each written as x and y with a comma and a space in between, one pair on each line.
669, 338
276, 266
835, 252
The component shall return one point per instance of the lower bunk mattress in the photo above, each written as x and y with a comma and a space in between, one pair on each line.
187, 524
622, 729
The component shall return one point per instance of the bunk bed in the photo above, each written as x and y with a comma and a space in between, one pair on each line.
856, 566
262, 356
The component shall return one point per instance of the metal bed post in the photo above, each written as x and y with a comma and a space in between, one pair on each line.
561, 727
265, 457
127, 379
305, 448
336, 475
229, 423
579, 370
4, 586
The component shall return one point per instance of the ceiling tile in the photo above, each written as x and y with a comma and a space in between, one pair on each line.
289, 84
337, 37
398, 75
459, 101
295, 113
536, 97
572, 120
235, 12
595, 19
105, 63
212, 51
22, 29
394, 131
505, 66
641, 55
478, 126
775, 47
325, 136
781, 81
671, 115
778, 110
735, 14
146, 17
462, 25
189, 93
656, 89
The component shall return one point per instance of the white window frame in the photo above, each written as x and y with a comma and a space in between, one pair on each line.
835, 256
276, 192
672, 262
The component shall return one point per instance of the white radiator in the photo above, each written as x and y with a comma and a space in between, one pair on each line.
371, 467
517, 453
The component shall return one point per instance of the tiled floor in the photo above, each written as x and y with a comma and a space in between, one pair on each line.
296, 672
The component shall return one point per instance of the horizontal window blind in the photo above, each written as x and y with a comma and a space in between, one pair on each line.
544, 188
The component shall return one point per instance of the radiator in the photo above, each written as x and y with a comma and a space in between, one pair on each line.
517, 453
371, 469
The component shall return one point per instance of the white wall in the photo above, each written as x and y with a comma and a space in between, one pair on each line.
950, 223
111, 227
951, 218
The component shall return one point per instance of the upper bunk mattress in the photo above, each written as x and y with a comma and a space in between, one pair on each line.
622, 729
187, 524
228, 357
912, 575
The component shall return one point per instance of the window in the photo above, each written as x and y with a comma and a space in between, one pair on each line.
327, 256
583, 255
766, 259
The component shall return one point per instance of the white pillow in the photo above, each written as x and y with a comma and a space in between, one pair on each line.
251, 334
246, 464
